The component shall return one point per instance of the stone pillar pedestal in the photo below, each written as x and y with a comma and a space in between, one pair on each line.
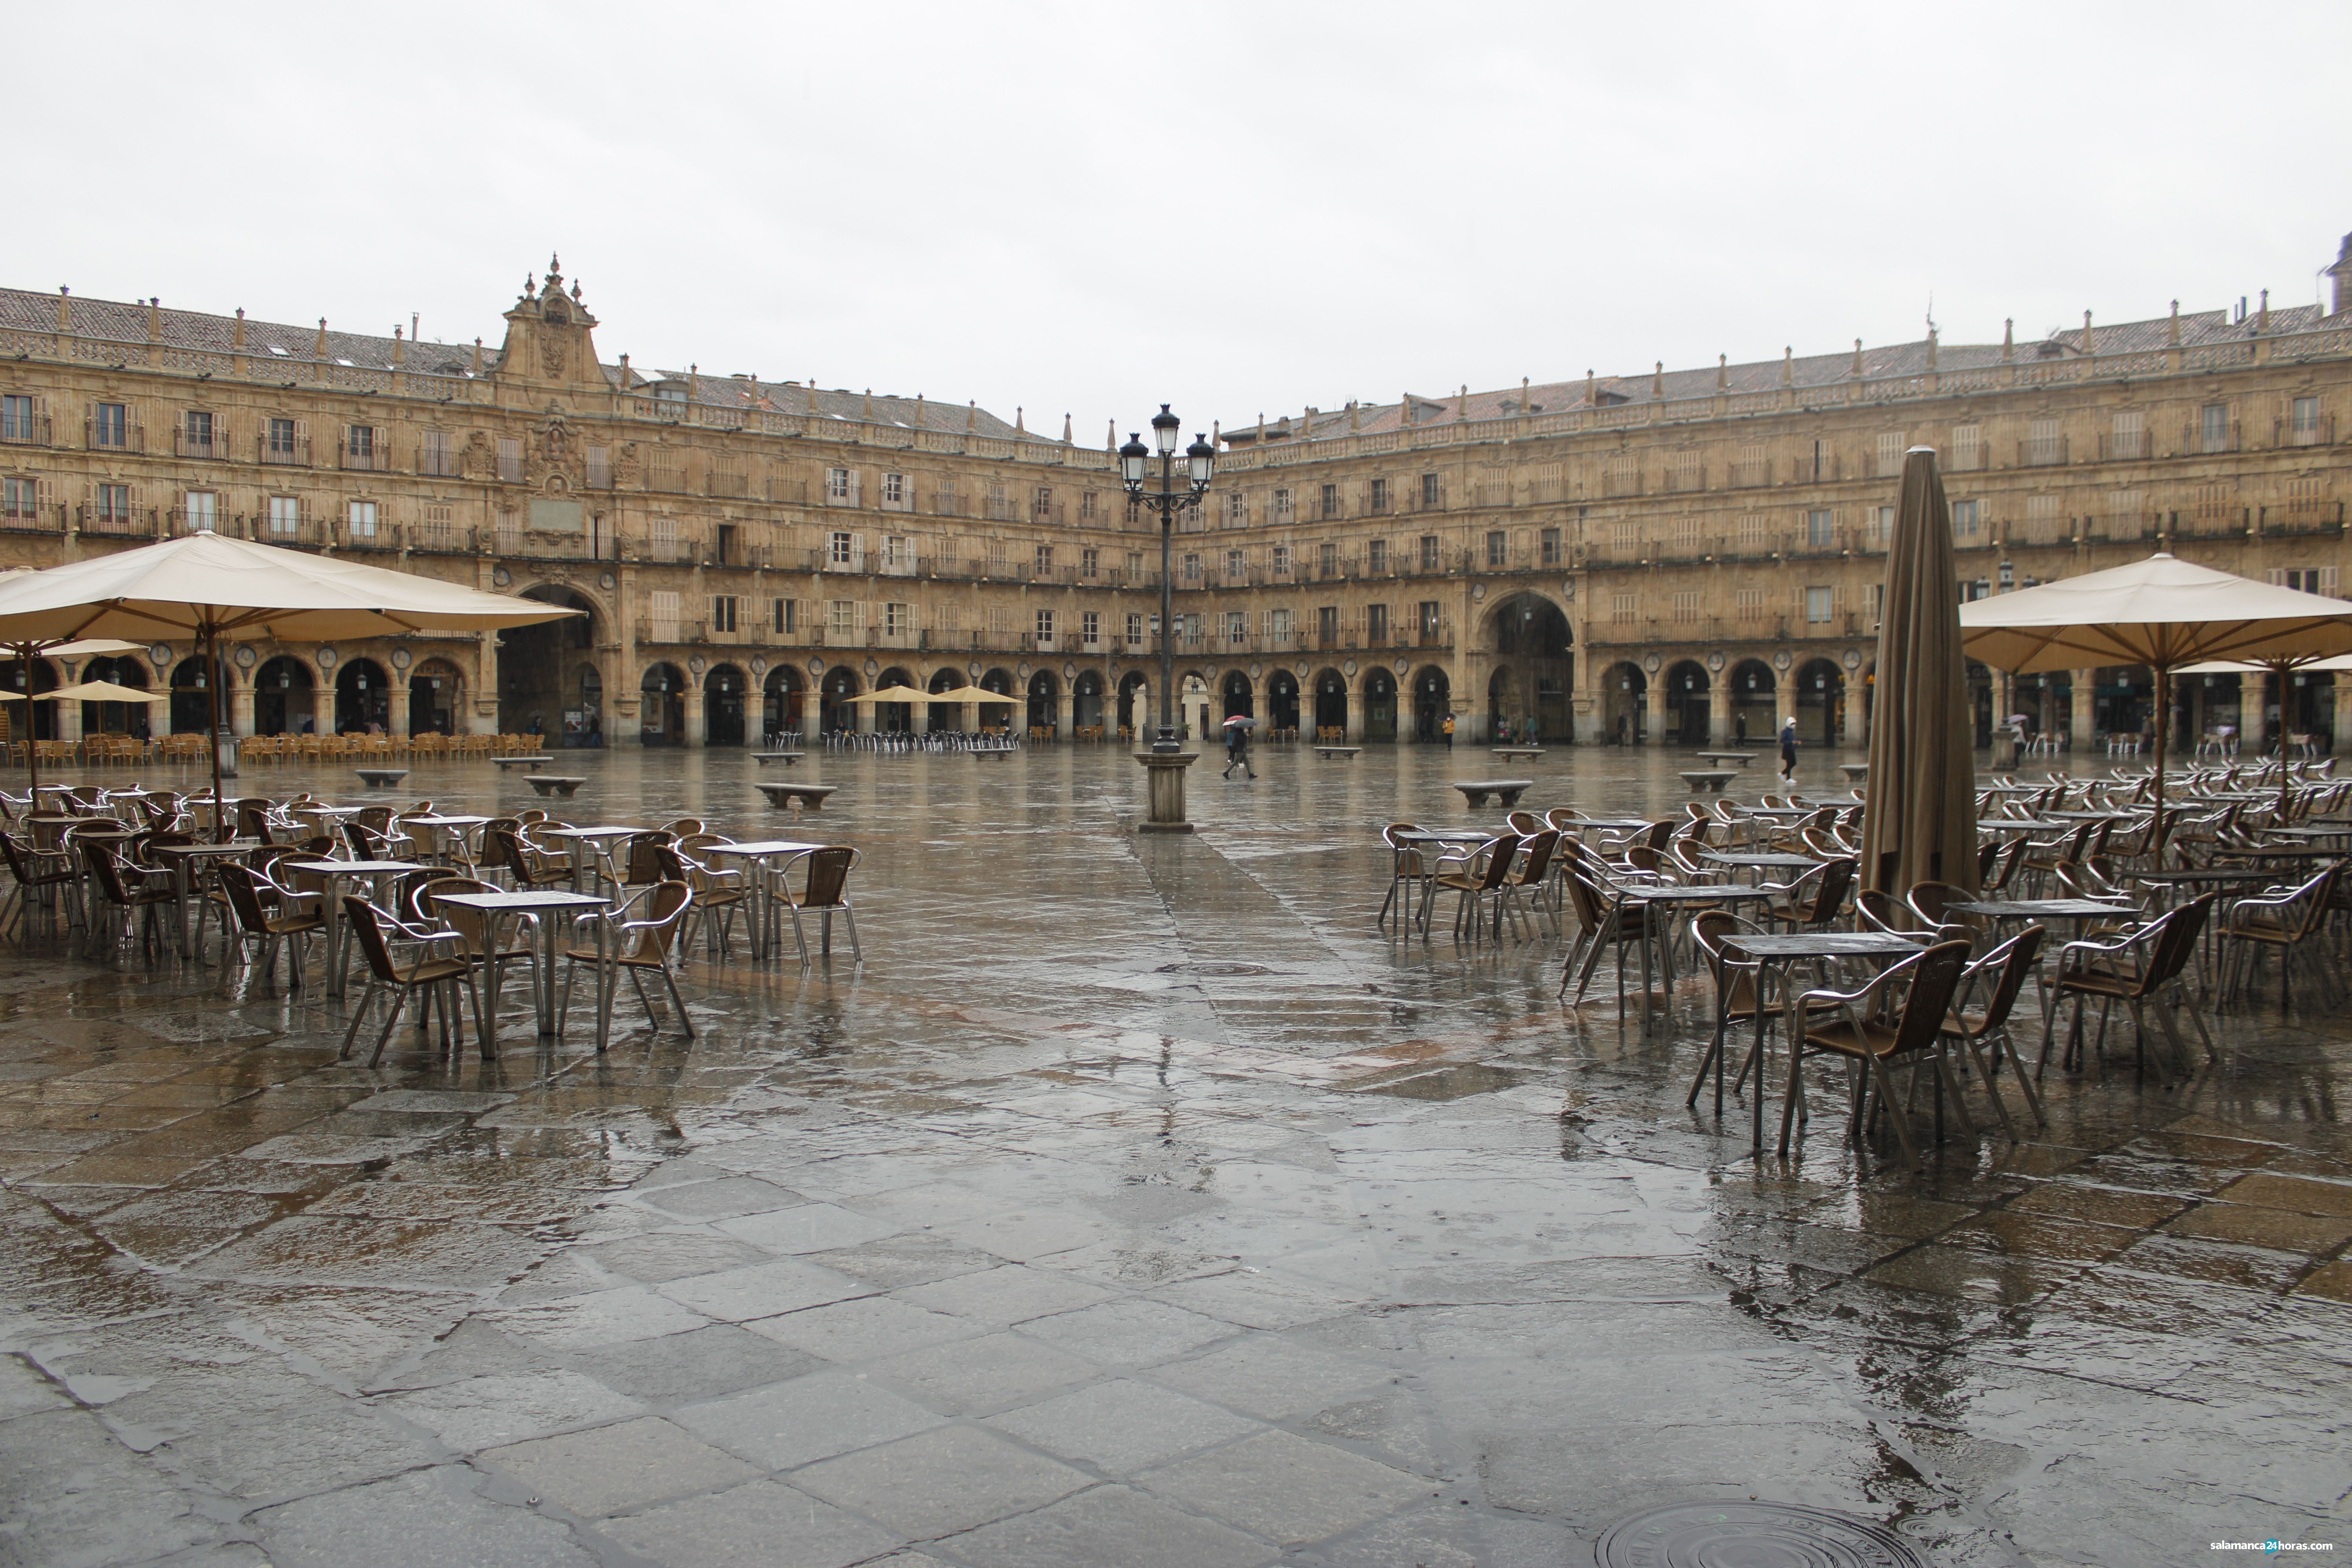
2081, 719
2343, 732
1849, 730
1356, 719
239, 711
1719, 712
693, 736
396, 713
1166, 813
1066, 709
69, 728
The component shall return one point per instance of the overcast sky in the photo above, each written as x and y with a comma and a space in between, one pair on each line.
1231, 207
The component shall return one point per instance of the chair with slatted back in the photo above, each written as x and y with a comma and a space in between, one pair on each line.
1979, 1015
258, 916
720, 892
440, 978
1475, 876
489, 963
504, 849
1897, 1017
1409, 872
129, 894
1605, 918
33, 875
824, 890
1738, 998
2131, 966
639, 935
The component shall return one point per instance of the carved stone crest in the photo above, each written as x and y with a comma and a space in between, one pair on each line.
552, 354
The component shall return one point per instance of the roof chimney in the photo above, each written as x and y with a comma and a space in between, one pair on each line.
1723, 373
1658, 380
2090, 345
1788, 374
2172, 332
2009, 339
1857, 359
2262, 322
2340, 275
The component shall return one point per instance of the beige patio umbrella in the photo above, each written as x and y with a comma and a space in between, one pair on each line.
894, 694
1919, 819
215, 589
89, 691
2164, 613
2281, 667
974, 694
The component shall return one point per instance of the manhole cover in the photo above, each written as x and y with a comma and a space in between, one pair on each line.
1215, 969
1750, 1535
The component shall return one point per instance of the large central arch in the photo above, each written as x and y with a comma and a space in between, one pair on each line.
1536, 653
537, 664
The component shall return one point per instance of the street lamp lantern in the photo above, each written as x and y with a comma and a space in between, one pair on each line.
1202, 458
1164, 426
1168, 499
1131, 458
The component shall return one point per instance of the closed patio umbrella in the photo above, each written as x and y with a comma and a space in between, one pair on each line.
2162, 612
215, 589
1919, 819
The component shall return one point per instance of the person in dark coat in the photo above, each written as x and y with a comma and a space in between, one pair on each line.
1788, 750
1237, 751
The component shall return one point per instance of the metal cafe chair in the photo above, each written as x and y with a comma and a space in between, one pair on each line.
824, 890
1999, 975
1476, 877
631, 947
2129, 967
440, 978
250, 894
1869, 1028
1409, 871
2286, 920
1738, 996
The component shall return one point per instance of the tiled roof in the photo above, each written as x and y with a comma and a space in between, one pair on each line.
1765, 375
127, 322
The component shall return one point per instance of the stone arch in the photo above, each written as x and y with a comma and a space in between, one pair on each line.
116, 718
726, 694
1820, 702
362, 697
1042, 707
1136, 715
661, 711
1625, 699
1087, 699
1281, 702
1755, 702
284, 696
1686, 698
191, 697
436, 695
1239, 697
833, 694
1433, 699
1380, 686
1331, 694
1530, 631
533, 663
785, 696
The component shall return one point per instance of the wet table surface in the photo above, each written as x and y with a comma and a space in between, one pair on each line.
1137, 1199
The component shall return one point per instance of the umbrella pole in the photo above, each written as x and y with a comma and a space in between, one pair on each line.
2163, 673
222, 830
32, 747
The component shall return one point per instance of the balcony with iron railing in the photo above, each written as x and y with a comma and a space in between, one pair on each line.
438, 538
2317, 432
129, 522
510, 467
2197, 440
372, 459
208, 448
24, 430
44, 517
2042, 451
437, 462
103, 436
283, 451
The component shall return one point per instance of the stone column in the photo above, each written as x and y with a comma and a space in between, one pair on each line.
1654, 705
861, 717
1065, 708
1356, 718
1719, 707
396, 708
68, 720
1850, 731
2343, 731
693, 717
2081, 727
239, 711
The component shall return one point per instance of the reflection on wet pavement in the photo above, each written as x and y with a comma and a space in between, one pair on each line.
1138, 1201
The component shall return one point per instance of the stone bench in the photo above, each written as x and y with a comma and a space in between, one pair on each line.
1720, 758
380, 778
1475, 791
787, 758
1518, 751
1337, 750
1855, 773
1709, 778
548, 784
533, 763
793, 797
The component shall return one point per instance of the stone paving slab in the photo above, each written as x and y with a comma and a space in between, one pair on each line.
1157, 1207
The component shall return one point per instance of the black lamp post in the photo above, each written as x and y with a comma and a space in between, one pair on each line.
1134, 460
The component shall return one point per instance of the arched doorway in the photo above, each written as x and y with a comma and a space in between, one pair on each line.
1626, 691
116, 718
282, 701
1193, 702
1135, 718
1331, 702
988, 715
783, 697
1238, 697
43, 721
1820, 702
1532, 633
1380, 706
661, 706
435, 690
1687, 690
1753, 722
1433, 699
835, 710
191, 695
1281, 702
724, 689
1087, 701
362, 699
2047, 700
534, 663
1045, 691
584, 726
1507, 714
894, 718
1980, 679
2308, 708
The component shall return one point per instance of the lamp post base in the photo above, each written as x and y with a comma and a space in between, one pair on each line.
1166, 780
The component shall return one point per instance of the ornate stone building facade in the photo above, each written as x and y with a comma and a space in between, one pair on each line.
1663, 559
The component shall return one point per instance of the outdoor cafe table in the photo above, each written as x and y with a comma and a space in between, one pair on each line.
183, 859
1771, 952
762, 853
1759, 861
1665, 902
546, 902
2087, 815
583, 840
458, 826
2316, 832
335, 872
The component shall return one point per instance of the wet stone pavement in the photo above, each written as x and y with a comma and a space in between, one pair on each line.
1136, 1202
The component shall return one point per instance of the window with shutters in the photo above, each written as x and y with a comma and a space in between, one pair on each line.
1685, 604
1090, 628
728, 478
1750, 530
2044, 443
1622, 607
1236, 510
898, 554
1376, 626
1685, 471
599, 463
1819, 603
1432, 624
20, 419
359, 446
1135, 566
1552, 555
2127, 434
435, 457
2042, 524
1134, 628
2210, 504
1282, 513
197, 435
1499, 549
1548, 482
996, 559
945, 500
661, 538
1377, 499
1821, 529
1433, 491
1619, 476
783, 616
722, 612
897, 495
20, 498
2307, 499
1191, 566
1967, 446
948, 618
1282, 560
359, 519
2306, 579
1327, 561
285, 513
1236, 627
1877, 526
661, 614
1041, 505
1000, 625
1278, 626
1086, 506
1968, 519
2213, 428
109, 424
510, 459
840, 552
280, 442
842, 617
899, 620
838, 487
1044, 628
2123, 510
110, 505
1751, 467
1376, 557
2305, 427
1330, 496
1089, 564
1890, 454
1326, 625
1429, 557
1042, 563
1685, 536
1749, 604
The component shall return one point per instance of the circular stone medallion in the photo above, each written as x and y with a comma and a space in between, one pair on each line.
1750, 1535
399, 659
160, 653
1781, 661
326, 659
244, 655
816, 667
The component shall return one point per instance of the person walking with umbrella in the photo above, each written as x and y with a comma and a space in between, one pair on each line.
1788, 750
1238, 729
